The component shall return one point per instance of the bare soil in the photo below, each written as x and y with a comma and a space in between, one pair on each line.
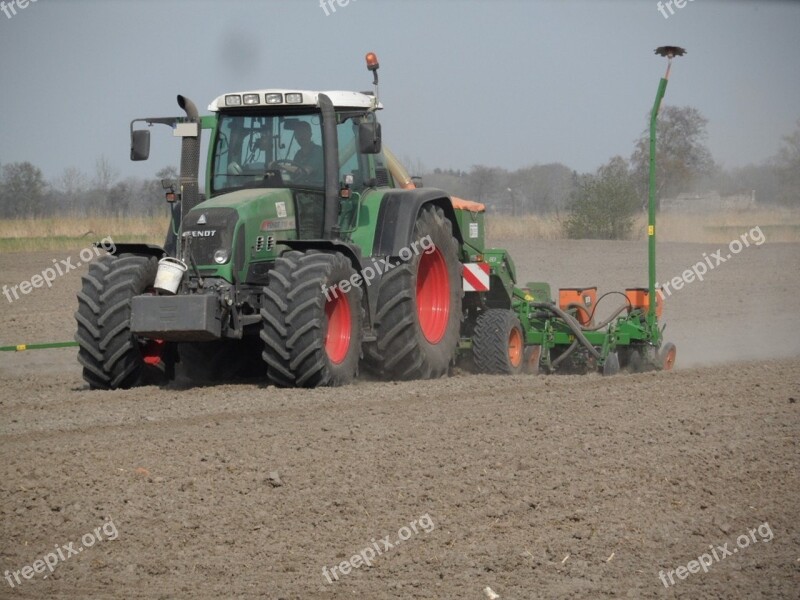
537, 487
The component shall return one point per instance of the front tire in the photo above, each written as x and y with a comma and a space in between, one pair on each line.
419, 305
311, 329
111, 356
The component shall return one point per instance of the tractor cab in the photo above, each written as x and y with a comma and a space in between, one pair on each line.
319, 147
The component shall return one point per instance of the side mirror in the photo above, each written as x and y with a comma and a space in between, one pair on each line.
140, 144
369, 138
417, 180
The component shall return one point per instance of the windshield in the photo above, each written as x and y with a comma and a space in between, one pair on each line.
268, 151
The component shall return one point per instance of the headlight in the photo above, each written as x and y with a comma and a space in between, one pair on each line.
251, 98
233, 100
221, 256
274, 98
294, 98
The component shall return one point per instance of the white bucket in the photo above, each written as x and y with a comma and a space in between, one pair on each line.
169, 275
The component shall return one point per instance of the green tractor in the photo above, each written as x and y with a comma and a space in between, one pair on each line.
308, 258
313, 255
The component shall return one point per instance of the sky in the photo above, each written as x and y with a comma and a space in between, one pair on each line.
507, 83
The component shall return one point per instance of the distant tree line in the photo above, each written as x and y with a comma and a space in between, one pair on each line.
24, 192
602, 204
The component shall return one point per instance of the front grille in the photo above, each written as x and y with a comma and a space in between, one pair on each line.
209, 230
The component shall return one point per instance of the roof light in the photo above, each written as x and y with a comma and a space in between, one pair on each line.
251, 98
372, 61
274, 98
294, 98
233, 100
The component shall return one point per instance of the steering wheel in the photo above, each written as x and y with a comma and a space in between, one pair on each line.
282, 164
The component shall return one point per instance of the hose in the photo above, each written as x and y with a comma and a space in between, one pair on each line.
47, 346
608, 320
573, 325
627, 300
605, 323
564, 355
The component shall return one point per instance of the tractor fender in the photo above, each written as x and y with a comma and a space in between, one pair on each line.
398, 214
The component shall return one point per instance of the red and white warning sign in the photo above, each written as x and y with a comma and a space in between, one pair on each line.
476, 277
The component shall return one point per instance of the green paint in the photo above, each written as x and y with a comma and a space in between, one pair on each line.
24, 347
651, 211
364, 234
255, 207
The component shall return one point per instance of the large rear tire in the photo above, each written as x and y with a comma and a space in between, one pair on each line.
498, 343
111, 356
419, 305
311, 329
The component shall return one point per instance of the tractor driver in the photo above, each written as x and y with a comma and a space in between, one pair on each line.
308, 161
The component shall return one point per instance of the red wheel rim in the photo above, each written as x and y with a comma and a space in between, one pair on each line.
515, 347
433, 296
337, 338
153, 351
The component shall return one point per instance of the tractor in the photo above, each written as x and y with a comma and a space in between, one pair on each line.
313, 255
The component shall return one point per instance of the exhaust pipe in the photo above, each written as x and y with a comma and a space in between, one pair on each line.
190, 159
188, 106
330, 228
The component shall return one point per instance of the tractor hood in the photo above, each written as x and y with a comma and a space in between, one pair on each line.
247, 199
228, 235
